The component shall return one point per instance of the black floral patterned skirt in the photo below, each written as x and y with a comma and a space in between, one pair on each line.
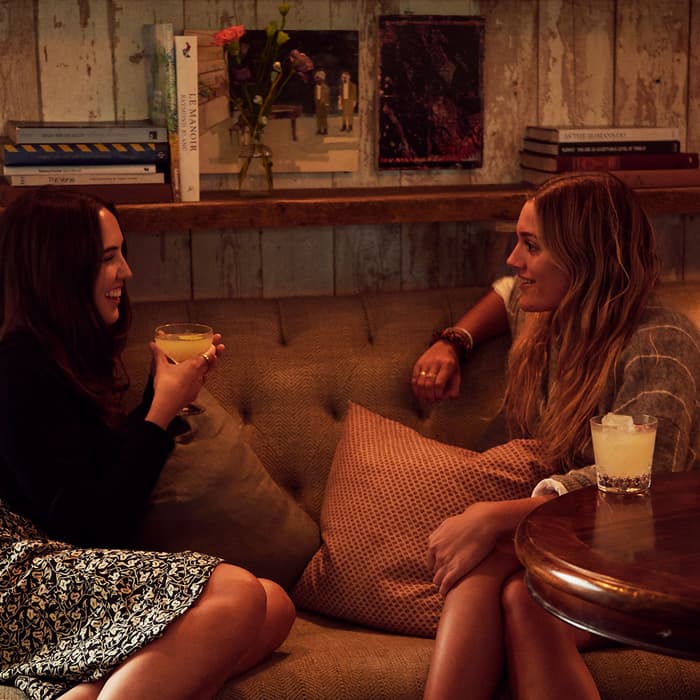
72, 615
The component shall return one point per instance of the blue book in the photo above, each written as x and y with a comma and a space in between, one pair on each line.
84, 153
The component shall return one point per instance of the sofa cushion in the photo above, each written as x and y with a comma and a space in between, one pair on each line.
388, 489
215, 496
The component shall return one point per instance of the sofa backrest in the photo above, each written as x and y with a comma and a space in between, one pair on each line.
291, 366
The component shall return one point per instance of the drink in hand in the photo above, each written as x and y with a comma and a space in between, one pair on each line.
623, 447
180, 341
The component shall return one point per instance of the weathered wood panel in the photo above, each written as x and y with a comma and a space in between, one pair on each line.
75, 59
575, 62
297, 262
19, 74
226, 264
651, 71
367, 258
161, 266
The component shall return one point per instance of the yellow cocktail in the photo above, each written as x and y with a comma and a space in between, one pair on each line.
180, 341
624, 450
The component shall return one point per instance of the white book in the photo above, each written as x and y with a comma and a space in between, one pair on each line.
187, 116
84, 179
564, 134
127, 168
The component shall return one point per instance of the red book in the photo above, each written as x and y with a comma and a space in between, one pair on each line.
661, 177
611, 161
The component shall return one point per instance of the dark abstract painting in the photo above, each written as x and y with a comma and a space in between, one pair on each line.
430, 91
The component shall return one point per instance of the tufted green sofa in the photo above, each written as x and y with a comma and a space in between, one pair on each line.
291, 367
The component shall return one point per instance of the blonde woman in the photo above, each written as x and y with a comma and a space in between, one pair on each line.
589, 337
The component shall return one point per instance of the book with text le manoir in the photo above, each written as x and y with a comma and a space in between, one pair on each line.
83, 153
187, 116
620, 161
159, 55
592, 148
566, 134
127, 131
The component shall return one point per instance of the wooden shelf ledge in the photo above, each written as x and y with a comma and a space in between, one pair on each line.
363, 206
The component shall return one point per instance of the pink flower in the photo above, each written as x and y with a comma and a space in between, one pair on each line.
226, 36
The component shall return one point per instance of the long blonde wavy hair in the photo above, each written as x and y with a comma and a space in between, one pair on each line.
597, 232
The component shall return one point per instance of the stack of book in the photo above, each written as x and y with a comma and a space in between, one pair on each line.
125, 161
640, 156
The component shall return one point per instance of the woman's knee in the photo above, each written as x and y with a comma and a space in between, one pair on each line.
516, 601
234, 594
281, 612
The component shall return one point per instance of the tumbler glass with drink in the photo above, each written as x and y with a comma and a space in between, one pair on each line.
623, 447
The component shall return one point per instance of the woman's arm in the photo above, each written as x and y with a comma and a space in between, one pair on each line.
59, 465
657, 374
436, 374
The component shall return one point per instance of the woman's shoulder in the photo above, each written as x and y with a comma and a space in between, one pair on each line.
665, 332
662, 320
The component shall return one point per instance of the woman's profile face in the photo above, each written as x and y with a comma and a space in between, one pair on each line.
114, 270
542, 283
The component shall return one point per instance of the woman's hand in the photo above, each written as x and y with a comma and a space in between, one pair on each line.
460, 543
177, 385
437, 375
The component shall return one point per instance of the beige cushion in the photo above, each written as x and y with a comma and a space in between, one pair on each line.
215, 496
388, 489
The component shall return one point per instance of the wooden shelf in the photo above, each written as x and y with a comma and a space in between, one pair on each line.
356, 206
363, 206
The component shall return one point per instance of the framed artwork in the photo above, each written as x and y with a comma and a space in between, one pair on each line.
314, 124
430, 91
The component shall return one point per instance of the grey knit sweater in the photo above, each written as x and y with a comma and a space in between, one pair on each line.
657, 373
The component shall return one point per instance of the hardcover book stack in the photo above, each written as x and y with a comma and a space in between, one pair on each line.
640, 156
125, 161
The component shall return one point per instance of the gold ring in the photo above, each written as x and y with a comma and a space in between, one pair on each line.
430, 375
207, 358
423, 373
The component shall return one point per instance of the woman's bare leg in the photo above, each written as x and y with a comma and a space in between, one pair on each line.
467, 659
542, 651
237, 621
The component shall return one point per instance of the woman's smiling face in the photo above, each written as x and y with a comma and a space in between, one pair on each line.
114, 270
542, 282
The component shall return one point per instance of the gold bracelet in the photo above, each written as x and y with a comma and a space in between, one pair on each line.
460, 338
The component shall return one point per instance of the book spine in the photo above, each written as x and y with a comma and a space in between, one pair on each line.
116, 134
117, 194
628, 161
84, 153
597, 147
159, 51
187, 116
84, 179
602, 134
130, 168
671, 177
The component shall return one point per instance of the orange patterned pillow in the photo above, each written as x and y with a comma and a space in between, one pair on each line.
388, 489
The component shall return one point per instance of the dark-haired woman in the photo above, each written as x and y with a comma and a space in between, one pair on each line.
589, 337
80, 617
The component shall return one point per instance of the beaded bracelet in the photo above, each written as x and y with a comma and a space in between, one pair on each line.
460, 338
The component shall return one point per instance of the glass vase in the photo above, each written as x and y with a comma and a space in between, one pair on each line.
255, 173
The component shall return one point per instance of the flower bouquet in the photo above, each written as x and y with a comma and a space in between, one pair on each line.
256, 83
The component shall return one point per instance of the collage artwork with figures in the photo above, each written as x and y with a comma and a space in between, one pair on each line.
292, 132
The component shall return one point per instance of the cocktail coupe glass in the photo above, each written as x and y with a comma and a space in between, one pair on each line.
180, 342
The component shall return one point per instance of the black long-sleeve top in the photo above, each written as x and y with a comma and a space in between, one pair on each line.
60, 465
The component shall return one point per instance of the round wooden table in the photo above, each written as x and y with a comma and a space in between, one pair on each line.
625, 567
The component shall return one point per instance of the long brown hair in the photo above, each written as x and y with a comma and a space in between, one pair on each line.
50, 256
597, 232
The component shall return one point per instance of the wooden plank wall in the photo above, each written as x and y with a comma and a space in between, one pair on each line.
558, 61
